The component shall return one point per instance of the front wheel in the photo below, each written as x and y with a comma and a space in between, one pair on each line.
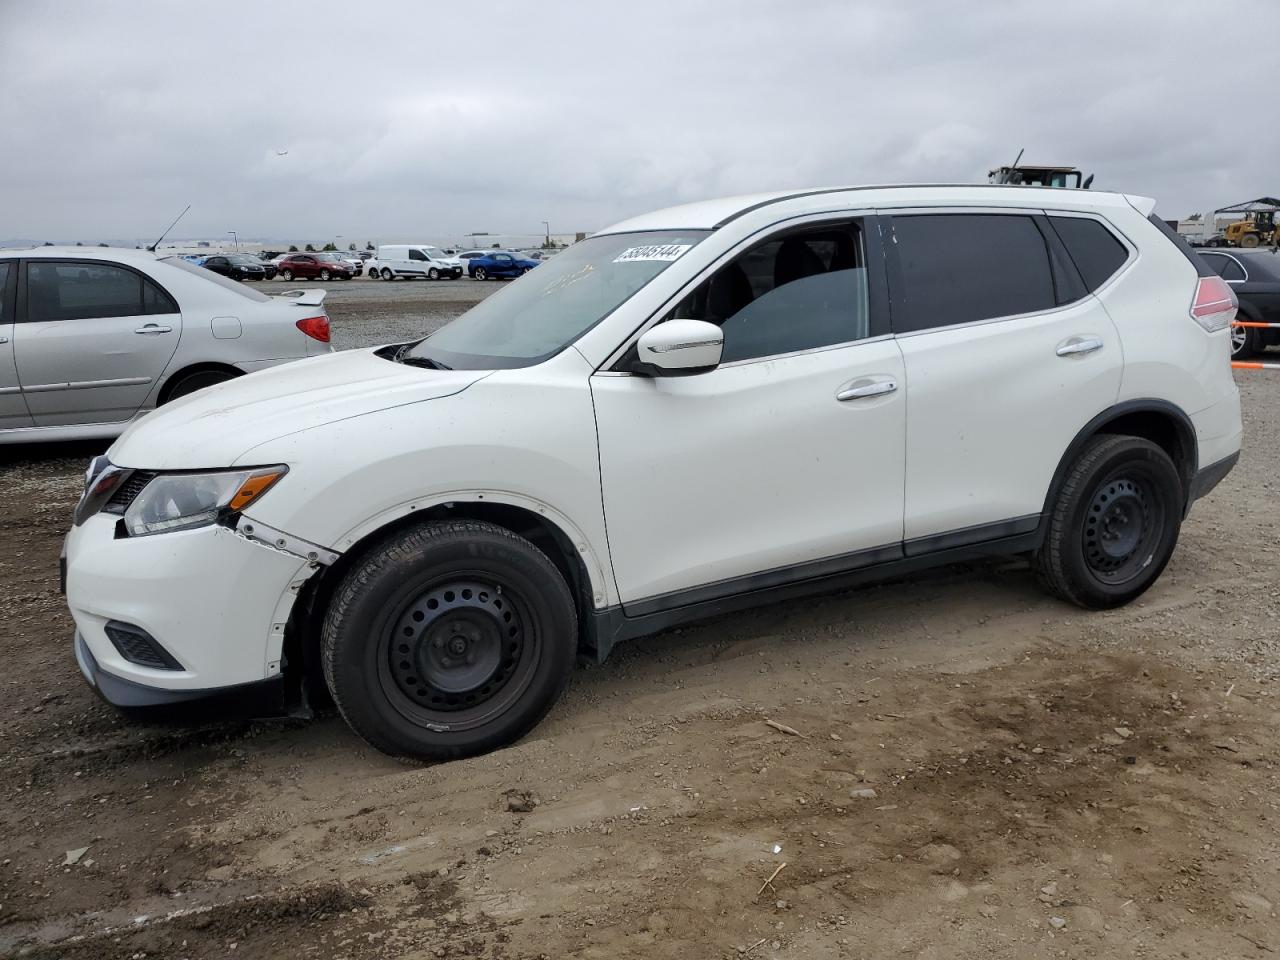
1114, 523
1250, 240
324, 274
433, 274
449, 640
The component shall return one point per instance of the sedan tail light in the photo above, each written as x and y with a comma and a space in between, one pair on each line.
317, 328
1214, 306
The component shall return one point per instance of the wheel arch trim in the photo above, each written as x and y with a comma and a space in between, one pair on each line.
1175, 415
588, 555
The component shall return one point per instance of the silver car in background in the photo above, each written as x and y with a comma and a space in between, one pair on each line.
92, 338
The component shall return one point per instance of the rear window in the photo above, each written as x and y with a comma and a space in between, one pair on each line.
225, 282
1094, 249
1197, 261
961, 267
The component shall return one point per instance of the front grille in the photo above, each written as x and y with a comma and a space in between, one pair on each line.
128, 491
138, 646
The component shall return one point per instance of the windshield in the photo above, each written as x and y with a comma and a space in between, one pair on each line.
435, 253
247, 292
246, 260
549, 308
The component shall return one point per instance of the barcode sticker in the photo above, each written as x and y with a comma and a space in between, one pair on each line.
659, 251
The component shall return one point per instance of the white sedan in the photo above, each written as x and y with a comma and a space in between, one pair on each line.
92, 338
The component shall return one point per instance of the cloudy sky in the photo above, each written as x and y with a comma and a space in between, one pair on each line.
408, 119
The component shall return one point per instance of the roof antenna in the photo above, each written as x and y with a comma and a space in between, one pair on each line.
152, 248
1014, 175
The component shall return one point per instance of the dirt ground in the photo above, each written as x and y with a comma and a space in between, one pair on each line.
979, 771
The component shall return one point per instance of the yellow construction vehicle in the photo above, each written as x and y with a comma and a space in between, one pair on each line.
1256, 227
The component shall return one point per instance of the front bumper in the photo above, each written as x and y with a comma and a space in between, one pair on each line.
215, 601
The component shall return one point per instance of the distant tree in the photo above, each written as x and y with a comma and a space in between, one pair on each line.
293, 248
79, 244
368, 244
329, 247
351, 247
102, 244
48, 243
310, 249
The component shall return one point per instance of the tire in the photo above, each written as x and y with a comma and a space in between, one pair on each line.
324, 274
1245, 342
524, 270
448, 640
387, 274
1250, 240
1113, 525
433, 274
286, 275
185, 383
480, 274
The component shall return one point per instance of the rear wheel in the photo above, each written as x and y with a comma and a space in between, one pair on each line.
1114, 523
480, 274
1250, 240
387, 274
449, 639
286, 274
185, 383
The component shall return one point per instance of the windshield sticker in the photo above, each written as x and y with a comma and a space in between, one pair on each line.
657, 251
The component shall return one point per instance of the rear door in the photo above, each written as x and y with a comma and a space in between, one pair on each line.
13, 408
92, 339
1007, 357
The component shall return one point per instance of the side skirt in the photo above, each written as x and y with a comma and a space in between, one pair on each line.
612, 625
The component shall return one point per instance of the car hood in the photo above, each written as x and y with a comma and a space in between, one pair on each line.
216, 426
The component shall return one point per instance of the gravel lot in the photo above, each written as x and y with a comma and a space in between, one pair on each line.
980, 772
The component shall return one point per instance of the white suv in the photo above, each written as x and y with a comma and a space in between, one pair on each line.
693, 411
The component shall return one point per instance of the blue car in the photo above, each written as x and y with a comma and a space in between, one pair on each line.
498, 264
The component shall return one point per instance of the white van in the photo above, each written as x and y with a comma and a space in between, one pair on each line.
413, 260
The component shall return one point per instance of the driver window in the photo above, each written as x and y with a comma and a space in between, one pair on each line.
795, 291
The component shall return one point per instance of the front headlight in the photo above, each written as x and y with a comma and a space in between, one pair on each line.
179, 501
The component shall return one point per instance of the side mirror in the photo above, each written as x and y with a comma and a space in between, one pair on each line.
679, 347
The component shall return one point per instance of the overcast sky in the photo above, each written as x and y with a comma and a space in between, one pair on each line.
427, 119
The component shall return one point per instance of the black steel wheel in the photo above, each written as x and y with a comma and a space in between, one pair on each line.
1114, 523
449, 639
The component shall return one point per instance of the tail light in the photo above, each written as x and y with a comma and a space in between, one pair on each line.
1214, 306
317, 328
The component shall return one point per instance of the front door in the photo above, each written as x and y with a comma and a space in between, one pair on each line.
783, 463
92, 341
13, 408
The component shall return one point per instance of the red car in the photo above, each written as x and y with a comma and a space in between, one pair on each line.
314, 266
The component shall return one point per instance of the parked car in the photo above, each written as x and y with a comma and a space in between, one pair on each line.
269, 268
1254, 275
761, 397
350, 259
499, 264
418, 261
237, 266
314, 266
91, 339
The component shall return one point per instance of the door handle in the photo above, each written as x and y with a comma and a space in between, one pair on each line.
153, 328
4, 339
1073, 346
866, 387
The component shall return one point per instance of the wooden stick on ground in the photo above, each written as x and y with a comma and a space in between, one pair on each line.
783, 728
772, 877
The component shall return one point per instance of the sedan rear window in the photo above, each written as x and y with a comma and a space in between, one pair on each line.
225, 282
